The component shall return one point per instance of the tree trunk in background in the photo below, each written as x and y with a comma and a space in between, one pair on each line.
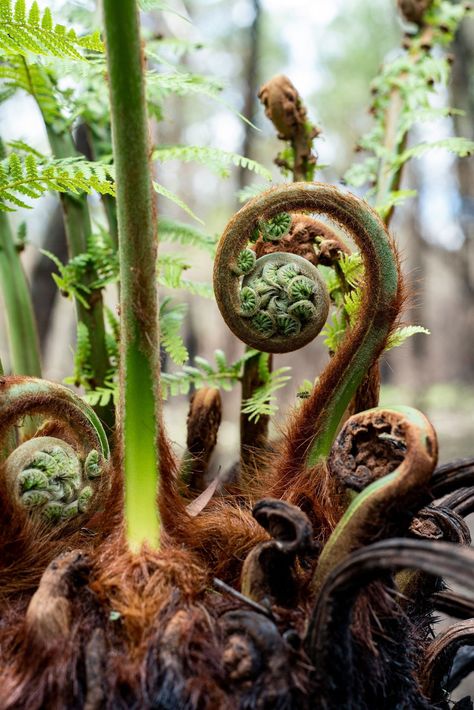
251, 80
462, 97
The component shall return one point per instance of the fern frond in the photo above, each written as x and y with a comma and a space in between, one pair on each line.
352, 267
17, 73
171, 320
401, 334
170, 274
162, 7
164, 192
29, 177
161, 85
250, 191
462, 147
213, 158
262, 402
83, 371
23, 31
223, 374
171, 230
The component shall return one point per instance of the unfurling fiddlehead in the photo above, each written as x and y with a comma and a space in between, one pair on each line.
311, 432
387, 504
47, 476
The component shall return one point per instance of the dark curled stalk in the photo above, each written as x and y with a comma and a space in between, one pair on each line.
438, 660
451, 476
329, 643
453, 604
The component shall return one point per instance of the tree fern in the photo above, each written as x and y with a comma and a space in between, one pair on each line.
23, 31
213, 158
30, 177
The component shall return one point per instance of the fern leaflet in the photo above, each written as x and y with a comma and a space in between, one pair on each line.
29, 177
23, 31
213, 158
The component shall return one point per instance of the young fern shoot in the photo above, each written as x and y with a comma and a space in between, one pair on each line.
139, 405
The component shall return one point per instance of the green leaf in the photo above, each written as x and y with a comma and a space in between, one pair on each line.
401, 334
393, 199
171, 320
30, 177
148, 5
164, 192
171, 230
262, 402
23, 32
457, 145
213, 158
249, 192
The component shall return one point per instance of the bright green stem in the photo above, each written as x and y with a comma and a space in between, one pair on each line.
22, 334
139, 411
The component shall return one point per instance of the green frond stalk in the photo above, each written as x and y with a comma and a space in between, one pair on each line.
139, 406
78, 228
22, 334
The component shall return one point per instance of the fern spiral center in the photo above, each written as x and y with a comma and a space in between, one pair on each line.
48, 477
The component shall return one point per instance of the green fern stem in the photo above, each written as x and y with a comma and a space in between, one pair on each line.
139, 406
312, 430
22, 334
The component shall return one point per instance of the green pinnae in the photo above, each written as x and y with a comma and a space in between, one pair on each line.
53, 511
278, 304
70, 510
274, 229
300, 288
269, 274
286, 273
262, 287
264, 323
267, 297
288, 325
32, 478
84, 498
304, 310
92, 465
33, 499
246, 261
249, 302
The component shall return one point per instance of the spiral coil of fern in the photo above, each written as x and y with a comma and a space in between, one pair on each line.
276, 303
52, 478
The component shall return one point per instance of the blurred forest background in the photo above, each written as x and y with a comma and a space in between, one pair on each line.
331, 52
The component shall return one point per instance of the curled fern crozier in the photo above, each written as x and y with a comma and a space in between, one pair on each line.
59, 475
